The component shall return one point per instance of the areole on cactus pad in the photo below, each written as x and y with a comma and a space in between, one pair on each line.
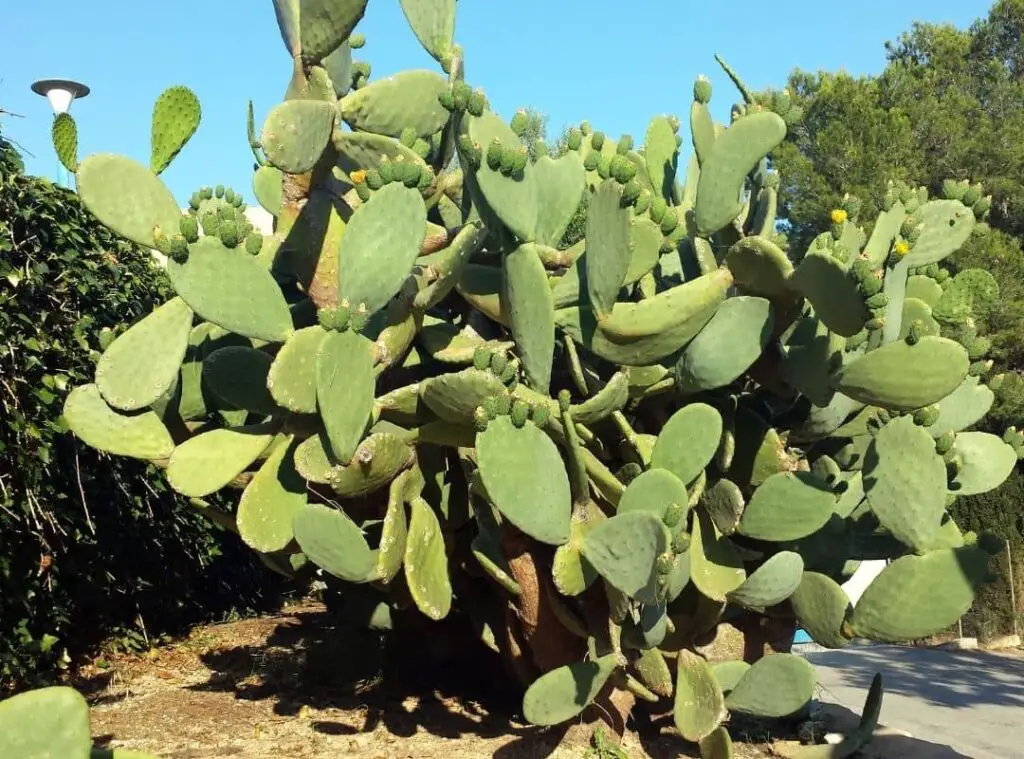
596, 453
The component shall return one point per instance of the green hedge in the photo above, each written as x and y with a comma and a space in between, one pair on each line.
90, 546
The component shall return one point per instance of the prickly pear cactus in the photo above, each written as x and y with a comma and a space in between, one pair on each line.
596, 455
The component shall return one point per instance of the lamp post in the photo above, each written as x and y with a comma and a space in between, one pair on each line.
60, 93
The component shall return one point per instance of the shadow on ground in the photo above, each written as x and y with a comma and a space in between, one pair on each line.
942, 677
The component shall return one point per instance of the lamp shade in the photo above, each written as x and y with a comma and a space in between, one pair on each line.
60, 93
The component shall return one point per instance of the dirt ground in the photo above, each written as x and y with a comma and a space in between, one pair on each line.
297, 686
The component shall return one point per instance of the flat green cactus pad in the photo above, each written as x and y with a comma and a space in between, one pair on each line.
916, 596
230, 288
610, 398
377, 461
821, 607
295, 134
380, 246
345, 385
905, 481
661, 155
760, 267
859, 738
433, 23
268, 187
426, 564
454, 397
688, 441
406, 99
917, 314
364, 151
140, 436
880, 377
986, 463
333, 542
776, 686
729, 672
64, 134
825, 282
771, 583
311, 29
563, 693
176, 116
209, 461
292, 376
972, 293
887, 227
237, 376
788, 506
532, 313
625, 549
716, 567
734, 155
718, 745
655, 491
608, 252
653, 671
645, 240
947, 226
811, 352
724, 503
127, 197
524, 476
395, 531
47, 723
270, 501
924, 288
142, 364
699, 706
727, 346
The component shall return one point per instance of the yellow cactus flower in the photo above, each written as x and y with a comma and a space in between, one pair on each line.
901, 248
358, 177
838, 216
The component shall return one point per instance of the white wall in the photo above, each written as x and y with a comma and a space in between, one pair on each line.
866, 572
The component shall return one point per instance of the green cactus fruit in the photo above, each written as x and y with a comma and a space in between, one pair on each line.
624, 551
699, 706
296, 133
604, 167
822, 607
253, 243
209, 461
622, 169
520, 122
643, 202
345, 389
592, 161
734, 155
408, 137
252, 306
787, 506
563, 693
64, 135
625, 144
982, 207
905, 482
574, 139
727, 346
688, 441
446, 99
944, 443
973, 195
476, 103
426, 562
658, 209
987, 462
333, 542
778, 685
715, 565
228, 233
880, 378
45, 722
702, 89
142, 364
189, 228
916, 596
525, 478
127, 197
140, 435
406, 99
597, 141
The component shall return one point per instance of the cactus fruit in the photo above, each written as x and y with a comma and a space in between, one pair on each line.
658, 428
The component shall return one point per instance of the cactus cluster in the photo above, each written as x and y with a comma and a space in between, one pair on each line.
595, 455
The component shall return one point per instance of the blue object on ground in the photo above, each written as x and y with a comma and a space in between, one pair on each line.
801, 637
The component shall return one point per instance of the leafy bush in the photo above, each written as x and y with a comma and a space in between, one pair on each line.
90, 545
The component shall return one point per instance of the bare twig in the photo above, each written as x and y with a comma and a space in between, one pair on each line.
81, 493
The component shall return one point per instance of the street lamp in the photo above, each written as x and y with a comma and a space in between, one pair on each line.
60, 93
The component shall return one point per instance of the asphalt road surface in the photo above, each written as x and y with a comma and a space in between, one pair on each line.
954, 704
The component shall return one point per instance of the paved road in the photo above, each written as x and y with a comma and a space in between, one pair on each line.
954, 703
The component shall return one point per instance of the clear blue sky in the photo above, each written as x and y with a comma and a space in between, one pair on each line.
614, 63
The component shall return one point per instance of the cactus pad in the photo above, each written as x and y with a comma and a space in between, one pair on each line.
880, 377
625, 549
655, 491
771, 583
563, 693
531, 311
699, 706
176, 116
380, 246
377, 461
608, 246
821, 607
333, 542
268, 187
972, 293
760, 267
716, 567
824, 281
389, 106
270, 501
127, 197
292, 376
916, 596
455, 397
295, 134
140, 435
345, 385
688, 441
905, 481
209, 461
947, 226
727, 346
524, 476
44, 724
717, 745
311, 29
986, 463
776, 686
426, 563
433, 23
787, 506
142, 363
237, 376
64, 134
